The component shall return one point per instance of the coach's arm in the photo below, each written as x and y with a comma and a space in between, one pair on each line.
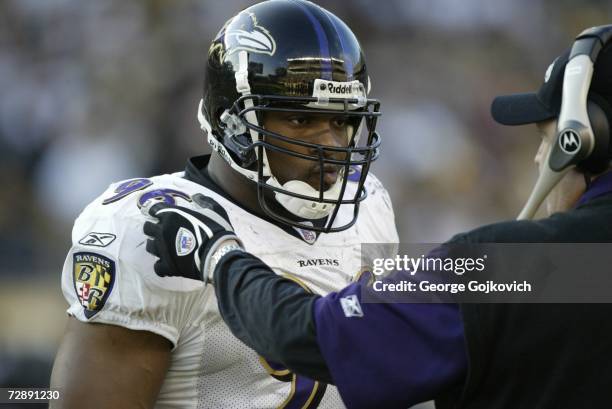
378, 354
105, 366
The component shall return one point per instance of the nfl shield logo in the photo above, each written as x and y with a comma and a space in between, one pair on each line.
185, 242
307, 235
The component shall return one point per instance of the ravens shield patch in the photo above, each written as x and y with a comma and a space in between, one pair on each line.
93, 276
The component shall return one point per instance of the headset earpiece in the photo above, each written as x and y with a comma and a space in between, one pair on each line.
600, 116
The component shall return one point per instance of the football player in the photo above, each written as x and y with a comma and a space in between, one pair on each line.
286, 111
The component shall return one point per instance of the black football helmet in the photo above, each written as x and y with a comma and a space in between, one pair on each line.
291, 56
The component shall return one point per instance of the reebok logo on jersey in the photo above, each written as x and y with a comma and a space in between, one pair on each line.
98, 239
351, 307
185, 242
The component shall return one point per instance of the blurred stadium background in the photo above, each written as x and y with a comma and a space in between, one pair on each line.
97, 91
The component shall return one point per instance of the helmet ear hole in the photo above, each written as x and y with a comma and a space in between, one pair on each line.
219, 112
600, 117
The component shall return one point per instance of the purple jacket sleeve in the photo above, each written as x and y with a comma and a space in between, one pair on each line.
394, 355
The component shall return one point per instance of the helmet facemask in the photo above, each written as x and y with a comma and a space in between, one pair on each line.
313, 208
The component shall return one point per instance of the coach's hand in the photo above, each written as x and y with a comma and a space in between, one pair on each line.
189, 243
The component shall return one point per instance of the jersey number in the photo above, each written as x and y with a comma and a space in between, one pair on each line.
162, 195
305, 393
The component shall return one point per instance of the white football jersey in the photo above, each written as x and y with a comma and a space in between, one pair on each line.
108, 277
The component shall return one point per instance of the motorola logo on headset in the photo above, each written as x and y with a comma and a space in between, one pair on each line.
569, 142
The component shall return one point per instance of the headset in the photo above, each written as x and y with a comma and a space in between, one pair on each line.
583, 126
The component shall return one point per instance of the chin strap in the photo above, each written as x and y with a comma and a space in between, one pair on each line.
304, 208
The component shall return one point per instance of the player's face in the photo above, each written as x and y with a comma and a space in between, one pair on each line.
323, 129
567, 192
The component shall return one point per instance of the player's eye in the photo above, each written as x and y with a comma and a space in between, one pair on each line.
298, 120
340, 122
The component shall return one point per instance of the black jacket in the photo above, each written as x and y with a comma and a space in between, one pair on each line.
545, 356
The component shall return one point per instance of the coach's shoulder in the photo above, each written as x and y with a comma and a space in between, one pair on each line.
511, 231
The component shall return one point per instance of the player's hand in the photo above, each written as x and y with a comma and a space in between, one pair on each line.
186, 240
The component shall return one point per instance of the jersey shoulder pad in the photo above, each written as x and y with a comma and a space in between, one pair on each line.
108, 275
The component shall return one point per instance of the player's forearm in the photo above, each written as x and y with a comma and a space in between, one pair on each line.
270, 314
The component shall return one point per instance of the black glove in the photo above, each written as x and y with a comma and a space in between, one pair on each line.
189, 243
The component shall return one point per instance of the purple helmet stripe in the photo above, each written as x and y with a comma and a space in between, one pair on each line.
326, 66
348, 63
